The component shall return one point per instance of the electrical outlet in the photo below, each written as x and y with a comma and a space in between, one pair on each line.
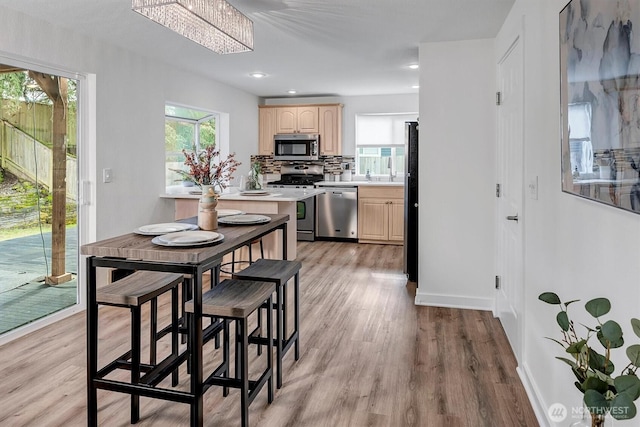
107, 175
533, 188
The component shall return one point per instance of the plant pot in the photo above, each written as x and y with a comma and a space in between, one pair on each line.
207, 214
208, 193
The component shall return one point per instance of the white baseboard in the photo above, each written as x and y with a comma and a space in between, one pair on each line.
454, 301
539, 408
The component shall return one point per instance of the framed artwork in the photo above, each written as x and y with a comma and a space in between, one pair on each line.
600, 101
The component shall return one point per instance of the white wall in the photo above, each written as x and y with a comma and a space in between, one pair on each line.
574, 247
131, 93
353, 105
457, 184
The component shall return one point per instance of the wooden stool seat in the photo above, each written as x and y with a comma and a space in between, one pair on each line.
234, 298
279, 272
233, 301
137, 288
132, 292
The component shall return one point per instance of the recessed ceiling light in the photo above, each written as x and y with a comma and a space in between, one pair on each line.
414, 66
258, 75
291, 92
415, 87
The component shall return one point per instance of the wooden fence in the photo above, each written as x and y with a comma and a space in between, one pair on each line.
27, 158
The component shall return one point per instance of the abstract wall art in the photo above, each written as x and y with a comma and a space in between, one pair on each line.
600, 101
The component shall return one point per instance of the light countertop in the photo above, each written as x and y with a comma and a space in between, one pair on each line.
275, 194
399, 182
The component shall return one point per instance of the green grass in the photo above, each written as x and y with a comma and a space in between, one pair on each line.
14, 233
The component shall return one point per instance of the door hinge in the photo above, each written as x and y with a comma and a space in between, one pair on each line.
498, 98
497, 282
497, 190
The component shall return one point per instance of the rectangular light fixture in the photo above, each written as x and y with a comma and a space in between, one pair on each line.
214, 24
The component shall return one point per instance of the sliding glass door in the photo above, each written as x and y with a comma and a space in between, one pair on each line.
38, 194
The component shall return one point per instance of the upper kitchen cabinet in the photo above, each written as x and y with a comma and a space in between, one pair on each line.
323, 119
330, 130
303, 119
267, 124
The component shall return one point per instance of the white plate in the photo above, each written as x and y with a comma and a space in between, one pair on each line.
188, 238
254, 193
244, 219
228, 212
159, 229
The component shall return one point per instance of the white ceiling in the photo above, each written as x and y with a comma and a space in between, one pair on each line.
317, 47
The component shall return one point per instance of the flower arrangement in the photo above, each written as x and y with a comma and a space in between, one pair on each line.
204, 169
603, 391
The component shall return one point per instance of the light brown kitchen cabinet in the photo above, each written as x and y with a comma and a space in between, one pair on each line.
330, 122
267, 129
323, 119
381, 214
303, 119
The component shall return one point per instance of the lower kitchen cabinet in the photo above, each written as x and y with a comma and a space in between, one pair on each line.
381, 215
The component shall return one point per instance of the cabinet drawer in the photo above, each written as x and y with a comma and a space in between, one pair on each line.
381, 192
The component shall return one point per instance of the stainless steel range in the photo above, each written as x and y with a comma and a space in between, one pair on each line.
302, 176
298, 176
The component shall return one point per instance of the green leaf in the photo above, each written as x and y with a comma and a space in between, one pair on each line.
622, 407
596, 402
629, 385
612, 332
598, 307
593, 383
597, 363
609, 344
635, 324
568, 362
576, 347
563, 320
633, 353
580, 376
549, 298
556, 341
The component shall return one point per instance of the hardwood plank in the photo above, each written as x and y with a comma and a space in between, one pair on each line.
369, 357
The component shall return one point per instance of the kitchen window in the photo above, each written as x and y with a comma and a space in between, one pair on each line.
189, 129
380, 144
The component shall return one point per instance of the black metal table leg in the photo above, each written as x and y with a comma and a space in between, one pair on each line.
92, 345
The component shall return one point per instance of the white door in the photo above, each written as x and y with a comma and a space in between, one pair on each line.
509, 204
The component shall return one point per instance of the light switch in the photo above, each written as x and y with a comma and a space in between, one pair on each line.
533, 188
107, 175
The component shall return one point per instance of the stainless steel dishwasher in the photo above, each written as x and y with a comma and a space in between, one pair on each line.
337, 213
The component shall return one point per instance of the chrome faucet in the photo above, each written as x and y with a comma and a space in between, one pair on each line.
391, 174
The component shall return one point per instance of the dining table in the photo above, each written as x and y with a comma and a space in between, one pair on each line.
133, 251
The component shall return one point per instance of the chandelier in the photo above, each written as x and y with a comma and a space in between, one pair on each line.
214, 24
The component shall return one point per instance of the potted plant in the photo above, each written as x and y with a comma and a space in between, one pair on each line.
604, 392
207, 169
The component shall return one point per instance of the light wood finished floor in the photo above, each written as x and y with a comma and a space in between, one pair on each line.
369, 357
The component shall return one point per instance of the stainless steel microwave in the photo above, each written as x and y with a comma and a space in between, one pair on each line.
296, 146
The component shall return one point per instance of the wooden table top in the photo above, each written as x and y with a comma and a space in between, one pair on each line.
136, 246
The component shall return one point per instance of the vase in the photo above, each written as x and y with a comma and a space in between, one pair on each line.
591, 420
208, 192
207, 214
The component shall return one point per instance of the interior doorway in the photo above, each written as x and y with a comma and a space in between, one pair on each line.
39, 170
509, 219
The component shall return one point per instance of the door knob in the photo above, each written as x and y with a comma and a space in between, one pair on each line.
513, 217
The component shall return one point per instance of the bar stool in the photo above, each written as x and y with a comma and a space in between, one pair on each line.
234, 301
233, 261
132, 292
278, 272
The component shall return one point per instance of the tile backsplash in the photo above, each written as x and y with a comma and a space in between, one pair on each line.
332, 164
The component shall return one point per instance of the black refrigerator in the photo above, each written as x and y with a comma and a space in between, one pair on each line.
411, 201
